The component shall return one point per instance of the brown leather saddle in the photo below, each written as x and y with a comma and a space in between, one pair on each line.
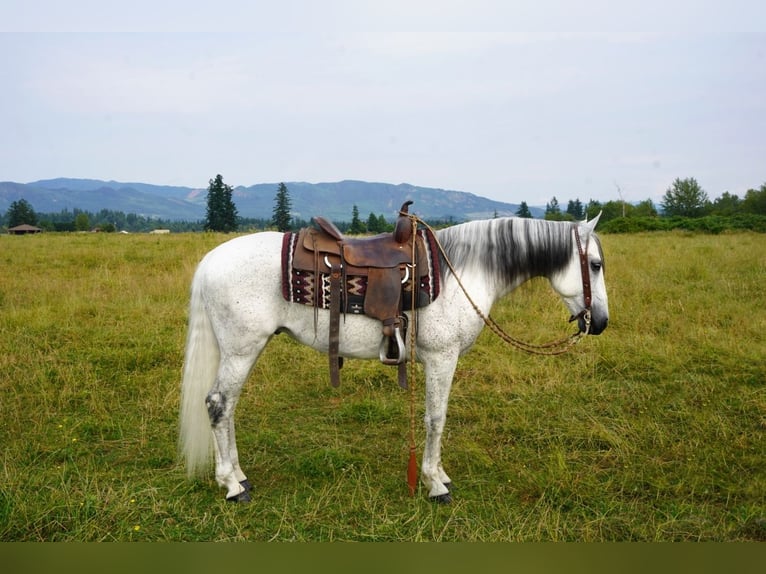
385, 265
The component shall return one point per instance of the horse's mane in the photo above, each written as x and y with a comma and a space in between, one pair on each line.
508, 249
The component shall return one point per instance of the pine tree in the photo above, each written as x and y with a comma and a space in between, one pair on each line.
553, 210
357, 227
21, 212
221, 212
575, 209
281, 215
373, 224
523, 211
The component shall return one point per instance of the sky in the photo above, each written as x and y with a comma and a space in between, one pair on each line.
510, 100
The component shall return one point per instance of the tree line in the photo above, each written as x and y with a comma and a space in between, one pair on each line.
684, 205
220, 215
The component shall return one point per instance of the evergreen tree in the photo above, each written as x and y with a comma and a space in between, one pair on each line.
221, 212
21, 212
373, 224
523, 211
575, 209
282, 204
356, 227
553, 211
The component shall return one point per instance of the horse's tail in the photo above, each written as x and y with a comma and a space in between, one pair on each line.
200, 367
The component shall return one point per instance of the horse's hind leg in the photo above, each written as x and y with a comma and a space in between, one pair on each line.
223, 464
221, 402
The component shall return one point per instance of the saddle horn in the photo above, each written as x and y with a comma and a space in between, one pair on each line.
403, 227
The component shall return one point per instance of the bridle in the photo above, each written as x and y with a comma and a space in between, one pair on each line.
585, 314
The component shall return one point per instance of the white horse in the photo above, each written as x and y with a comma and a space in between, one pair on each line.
237, 307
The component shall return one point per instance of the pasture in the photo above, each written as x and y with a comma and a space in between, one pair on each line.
653, 431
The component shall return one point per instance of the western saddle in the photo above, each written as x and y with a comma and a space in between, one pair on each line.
387, 262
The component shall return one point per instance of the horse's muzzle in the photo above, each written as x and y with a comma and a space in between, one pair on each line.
597, 325
589, 324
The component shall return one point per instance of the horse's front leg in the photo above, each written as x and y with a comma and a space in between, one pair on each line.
438, 384
221, 402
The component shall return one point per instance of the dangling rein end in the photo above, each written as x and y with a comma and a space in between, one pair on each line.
412, 471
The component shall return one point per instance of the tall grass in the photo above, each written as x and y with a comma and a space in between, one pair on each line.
653, 431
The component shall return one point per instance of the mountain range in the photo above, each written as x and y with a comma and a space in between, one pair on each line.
334, 201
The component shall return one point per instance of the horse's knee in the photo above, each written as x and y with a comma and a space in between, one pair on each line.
216, 406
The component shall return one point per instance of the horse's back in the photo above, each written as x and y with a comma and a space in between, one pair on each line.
244, 255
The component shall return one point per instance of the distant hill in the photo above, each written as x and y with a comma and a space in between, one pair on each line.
334, 201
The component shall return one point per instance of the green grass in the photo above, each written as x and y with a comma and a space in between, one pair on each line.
656, 430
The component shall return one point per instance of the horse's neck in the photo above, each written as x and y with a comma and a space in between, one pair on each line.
504, 253
469, 261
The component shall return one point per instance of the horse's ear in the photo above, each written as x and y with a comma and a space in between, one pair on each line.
593, 222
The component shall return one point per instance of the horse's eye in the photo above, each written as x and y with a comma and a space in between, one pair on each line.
595, 266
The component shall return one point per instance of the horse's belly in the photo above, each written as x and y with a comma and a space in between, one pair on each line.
359, 336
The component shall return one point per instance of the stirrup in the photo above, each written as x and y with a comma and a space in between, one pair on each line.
385, 346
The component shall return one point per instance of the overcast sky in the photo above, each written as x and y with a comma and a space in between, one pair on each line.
515, 101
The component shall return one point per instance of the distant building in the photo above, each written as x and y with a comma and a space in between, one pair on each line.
23, 229
160, 231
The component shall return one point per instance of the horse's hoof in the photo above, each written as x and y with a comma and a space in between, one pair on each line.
442, 498
243, 496
246, 485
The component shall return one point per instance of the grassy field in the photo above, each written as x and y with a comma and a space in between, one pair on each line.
654, 431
